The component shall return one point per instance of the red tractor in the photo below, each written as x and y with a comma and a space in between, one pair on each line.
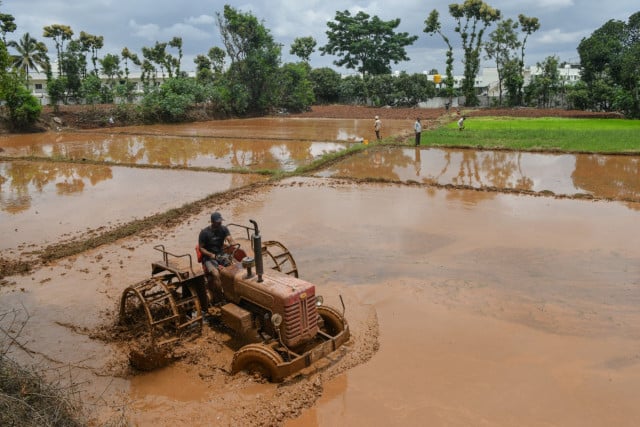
279, 318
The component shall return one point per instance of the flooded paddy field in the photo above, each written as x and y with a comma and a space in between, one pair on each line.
466, 307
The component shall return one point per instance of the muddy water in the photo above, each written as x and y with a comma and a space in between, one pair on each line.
223, 153
277, 144
602, 176
41, 202
466, 308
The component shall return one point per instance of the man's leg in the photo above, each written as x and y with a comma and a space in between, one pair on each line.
214, 283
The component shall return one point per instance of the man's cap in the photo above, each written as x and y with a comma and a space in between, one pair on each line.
377, 117
216, 217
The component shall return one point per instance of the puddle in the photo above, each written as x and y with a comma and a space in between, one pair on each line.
282, 128
41, 202
601, 176
274, 144
223, 153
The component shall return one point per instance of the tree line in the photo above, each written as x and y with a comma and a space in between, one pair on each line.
246, 75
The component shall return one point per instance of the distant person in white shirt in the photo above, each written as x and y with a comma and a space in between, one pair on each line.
461, 123
418, 128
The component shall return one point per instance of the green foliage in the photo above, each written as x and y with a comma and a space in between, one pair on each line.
56, 90
366, 44
303, 47
472, 18
296, 90
381, 89
433, 26
24, 108
172, 100
593, 135
353, 90
255, 59
91, 89
543, 88
611, 56
326, 85
410, 89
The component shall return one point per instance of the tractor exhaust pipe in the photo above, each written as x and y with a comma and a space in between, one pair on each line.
256, 242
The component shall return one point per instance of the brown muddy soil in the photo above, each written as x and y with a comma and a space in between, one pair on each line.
360, 112
97, 116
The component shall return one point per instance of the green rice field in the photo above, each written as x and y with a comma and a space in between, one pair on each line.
563, 134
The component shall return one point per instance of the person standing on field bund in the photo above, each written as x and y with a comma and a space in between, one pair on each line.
461, 123
418, 128
377, 125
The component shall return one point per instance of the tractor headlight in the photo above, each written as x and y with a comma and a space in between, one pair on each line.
276, 319
319, 300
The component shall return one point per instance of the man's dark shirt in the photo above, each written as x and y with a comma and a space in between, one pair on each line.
213, 240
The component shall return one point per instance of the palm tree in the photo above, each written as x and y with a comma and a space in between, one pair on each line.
31, 54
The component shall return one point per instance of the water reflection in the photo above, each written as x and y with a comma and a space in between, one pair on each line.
20, 180
69, 198
604, 176
173, 151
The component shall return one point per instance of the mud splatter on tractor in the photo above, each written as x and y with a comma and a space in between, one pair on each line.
279, 318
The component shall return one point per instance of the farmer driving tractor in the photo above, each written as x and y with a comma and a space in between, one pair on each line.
211, 242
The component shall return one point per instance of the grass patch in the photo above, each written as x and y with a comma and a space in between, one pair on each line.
529, 134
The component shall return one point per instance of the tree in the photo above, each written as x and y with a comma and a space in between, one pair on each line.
217, 55
255, 59
31, 54
410, 89
503, 41
7, 25
295, 88
326, 84
366, 44
23, 108
93, 44
110, 67
528, 25
303, 47
472, 18
433, 26
59, 33
176, 43
611, 56
544, 87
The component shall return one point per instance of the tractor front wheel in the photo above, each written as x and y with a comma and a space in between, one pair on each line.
334, 322
258, 359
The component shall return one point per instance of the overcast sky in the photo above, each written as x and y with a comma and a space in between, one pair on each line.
138, 23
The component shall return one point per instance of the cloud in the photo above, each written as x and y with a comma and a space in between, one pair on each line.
201, 20
556, 36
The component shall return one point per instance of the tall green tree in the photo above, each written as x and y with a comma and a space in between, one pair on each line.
217, 55
611, 57
366, 44
472, 18
528, 26
303, 47
7, 25
326, 85
502, 43
92, 44
176, 43
255, 59
59, 34
543, 88
32, 55
433, 26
